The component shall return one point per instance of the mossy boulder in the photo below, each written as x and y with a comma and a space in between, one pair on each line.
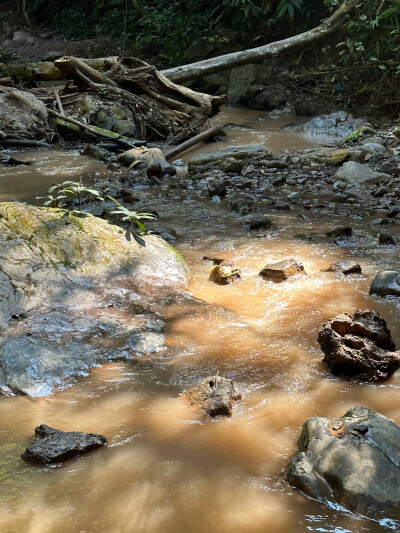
59, 271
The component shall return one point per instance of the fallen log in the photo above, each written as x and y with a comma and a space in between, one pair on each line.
75, 69
257, 55
212, 132
24, 143
97, 132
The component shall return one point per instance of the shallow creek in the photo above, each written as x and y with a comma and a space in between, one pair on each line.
166, 468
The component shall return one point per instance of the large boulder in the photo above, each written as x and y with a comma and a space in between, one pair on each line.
351, 461
59, 272
359, 347
55, 446
386, 283
209, 160
358, 174
338, 124
215, 395
22, 112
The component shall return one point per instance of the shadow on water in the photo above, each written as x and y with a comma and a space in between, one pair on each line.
167, 468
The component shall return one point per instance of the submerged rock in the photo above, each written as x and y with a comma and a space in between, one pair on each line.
224, 274
386, 283
351, 461
259, 223
340, 233
345, 266
55, 446
282, 270
359, 347
386, 238
215, 395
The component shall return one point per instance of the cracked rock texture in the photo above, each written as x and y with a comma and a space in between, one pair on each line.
359, 347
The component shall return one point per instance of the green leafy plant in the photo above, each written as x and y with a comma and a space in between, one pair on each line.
132, 218
68, 189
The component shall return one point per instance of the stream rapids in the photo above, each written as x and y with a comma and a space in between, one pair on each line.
166, 468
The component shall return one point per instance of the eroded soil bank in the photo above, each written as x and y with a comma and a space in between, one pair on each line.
167, 468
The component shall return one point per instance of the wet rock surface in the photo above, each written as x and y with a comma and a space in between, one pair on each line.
352, 461
338, 124
344, 266
215, 395
359, 347
224, 274
71, 283
206, 161
386, 283
55, 446
282, 270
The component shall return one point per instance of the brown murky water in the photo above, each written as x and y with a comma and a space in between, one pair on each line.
247, 126
166, 468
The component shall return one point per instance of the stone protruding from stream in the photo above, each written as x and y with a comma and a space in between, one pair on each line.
211, 160
282, 270
353, 461
55, 446
345, 266
386, 283
215, 395
359, 347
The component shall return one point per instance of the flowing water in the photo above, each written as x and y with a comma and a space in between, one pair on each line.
167, 469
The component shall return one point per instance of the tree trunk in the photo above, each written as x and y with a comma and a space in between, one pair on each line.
257, 55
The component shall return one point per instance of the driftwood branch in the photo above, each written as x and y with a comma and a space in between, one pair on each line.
212, 132
94, 131
259, 54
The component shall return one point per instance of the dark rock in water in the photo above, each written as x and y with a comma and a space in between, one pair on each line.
344, 266
389, 168
224, 274
232, 165
359, 347
215, 395
340, 233
282, 270
351, 461
242, 205
54, 446
393, 212
215, 260
386, 283
273, 163
281, 207
386, 238
217, 188
259, 223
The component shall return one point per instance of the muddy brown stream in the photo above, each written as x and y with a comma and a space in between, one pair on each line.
167, 469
